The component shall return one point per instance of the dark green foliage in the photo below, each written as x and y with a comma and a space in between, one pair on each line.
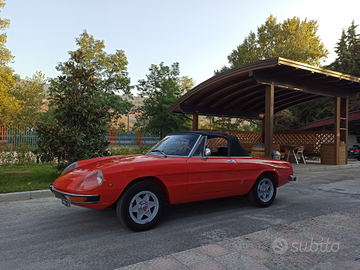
347, 62
160, 90
83, 102
226, 123
348, 52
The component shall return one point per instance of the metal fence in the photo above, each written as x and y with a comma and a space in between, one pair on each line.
27, 136
131, 138
18, 136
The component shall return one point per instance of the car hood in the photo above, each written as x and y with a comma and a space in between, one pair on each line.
70, 179
89, 165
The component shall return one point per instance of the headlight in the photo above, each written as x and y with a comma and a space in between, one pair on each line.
91, 181
70, 167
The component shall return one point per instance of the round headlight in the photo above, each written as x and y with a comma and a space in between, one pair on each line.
91, 181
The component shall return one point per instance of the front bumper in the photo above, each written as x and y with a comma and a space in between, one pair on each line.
292, 178
74, 198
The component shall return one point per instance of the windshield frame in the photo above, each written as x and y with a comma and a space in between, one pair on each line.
157, 150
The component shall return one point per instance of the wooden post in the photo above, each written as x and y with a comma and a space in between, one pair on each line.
344, 124
195, 121
336, 128
341, 130
139, 138
269, 120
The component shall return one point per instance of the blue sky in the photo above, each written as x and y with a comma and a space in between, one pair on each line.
198, 34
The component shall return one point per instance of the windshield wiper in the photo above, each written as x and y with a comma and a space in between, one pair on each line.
158, 150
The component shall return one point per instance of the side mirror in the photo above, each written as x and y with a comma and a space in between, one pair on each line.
207, 152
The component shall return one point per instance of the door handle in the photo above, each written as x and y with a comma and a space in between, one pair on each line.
230, 161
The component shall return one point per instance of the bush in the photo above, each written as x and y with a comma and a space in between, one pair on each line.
16, 156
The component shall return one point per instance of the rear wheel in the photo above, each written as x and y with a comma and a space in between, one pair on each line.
141, 206
263, 192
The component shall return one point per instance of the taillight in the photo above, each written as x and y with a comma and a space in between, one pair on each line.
91, 181
356, 150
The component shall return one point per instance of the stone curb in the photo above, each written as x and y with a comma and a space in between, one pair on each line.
19, 196
37, 194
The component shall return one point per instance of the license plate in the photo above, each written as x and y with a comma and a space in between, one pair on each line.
66, 203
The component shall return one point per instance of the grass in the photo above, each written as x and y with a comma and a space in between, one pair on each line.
26, 178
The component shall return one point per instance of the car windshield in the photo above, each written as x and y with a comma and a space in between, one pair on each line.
174, 145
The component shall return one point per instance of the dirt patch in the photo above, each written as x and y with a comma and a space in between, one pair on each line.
27, 171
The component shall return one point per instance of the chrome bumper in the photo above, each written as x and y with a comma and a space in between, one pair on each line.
292, 178
70, 196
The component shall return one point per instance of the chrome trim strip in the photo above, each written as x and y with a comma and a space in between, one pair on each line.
52, 188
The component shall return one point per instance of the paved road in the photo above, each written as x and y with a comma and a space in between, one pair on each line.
43, 234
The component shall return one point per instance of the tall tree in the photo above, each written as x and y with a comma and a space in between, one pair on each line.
348, 62
348, 58
31, 94
348, 52
84, 100
292, 39
161, 89
8, 104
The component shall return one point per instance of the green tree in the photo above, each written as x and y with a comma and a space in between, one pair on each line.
292, 39
84, 100
348, 62
8, 104
31, 94
348, 58
161, 89
348, 52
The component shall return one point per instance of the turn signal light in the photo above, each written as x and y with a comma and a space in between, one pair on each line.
77, 199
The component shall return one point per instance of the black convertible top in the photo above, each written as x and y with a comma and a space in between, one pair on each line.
234, 147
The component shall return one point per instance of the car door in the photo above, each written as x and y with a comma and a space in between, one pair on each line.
211, 174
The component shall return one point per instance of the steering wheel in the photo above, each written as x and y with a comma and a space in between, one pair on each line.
187, 147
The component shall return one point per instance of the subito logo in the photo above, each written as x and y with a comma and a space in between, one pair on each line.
279, 246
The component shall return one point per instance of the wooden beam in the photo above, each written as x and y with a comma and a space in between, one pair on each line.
221, 112
279, 80
269, 120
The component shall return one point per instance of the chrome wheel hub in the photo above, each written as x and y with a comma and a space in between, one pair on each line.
265, 190
144, 207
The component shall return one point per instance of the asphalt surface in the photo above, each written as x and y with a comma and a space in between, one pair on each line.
227, 233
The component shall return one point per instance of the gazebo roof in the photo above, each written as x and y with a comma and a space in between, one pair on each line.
240, 92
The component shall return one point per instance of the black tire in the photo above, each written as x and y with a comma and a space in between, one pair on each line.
263, 192
147, 201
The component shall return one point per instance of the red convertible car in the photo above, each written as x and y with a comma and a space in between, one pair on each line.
183, 167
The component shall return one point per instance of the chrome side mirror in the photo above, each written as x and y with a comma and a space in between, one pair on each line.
207, 152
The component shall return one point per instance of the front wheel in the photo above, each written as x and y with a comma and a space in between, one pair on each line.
263, 192
141, 206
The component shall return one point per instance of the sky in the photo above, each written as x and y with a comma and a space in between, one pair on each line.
198, 34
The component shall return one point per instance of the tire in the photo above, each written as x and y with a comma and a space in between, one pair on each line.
141, 206
263, 192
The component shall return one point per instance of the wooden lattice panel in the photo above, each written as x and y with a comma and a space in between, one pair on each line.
312, 140
244, 136
214, 143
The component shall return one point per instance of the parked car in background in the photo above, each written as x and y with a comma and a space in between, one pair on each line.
354, 152
183, 167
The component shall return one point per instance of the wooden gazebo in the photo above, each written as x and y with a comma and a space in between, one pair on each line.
259, 90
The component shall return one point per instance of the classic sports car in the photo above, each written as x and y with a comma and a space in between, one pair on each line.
183, 167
